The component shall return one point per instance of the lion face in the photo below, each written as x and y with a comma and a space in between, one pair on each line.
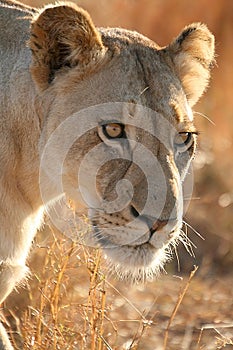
117, 130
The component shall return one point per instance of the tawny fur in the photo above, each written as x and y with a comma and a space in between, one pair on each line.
73, 65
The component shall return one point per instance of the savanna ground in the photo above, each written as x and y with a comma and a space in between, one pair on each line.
70, 303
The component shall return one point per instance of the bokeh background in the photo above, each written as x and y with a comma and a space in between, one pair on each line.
211, 209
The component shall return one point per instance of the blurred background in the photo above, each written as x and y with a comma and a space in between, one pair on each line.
211, 209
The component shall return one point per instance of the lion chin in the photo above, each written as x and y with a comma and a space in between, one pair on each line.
138, 263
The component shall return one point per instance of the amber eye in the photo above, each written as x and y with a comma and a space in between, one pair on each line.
113, 130
183, 141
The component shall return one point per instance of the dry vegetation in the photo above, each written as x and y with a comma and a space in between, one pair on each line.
70, 302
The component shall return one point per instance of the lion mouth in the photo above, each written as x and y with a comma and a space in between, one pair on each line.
139, 261
146, 239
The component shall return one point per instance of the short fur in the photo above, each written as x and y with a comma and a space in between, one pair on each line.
68, 65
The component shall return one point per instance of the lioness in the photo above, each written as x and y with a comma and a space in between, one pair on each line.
102, 116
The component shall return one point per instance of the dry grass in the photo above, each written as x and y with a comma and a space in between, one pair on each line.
72, 304
49, 322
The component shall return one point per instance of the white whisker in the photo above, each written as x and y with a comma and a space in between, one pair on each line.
187, 243
142, 92
195, 231
205, 116
177, 258
191, 198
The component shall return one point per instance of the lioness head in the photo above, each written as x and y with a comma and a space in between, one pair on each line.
117, 129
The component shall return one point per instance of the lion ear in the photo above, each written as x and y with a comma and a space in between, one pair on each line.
62, 37
192, 53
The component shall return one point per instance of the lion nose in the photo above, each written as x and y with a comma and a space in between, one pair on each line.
158, 225
154, 226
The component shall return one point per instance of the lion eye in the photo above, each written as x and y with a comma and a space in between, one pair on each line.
113, 130
183, 141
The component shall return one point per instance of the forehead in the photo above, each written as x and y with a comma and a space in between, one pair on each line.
161, 89
141, 73
155, 87
136, 73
